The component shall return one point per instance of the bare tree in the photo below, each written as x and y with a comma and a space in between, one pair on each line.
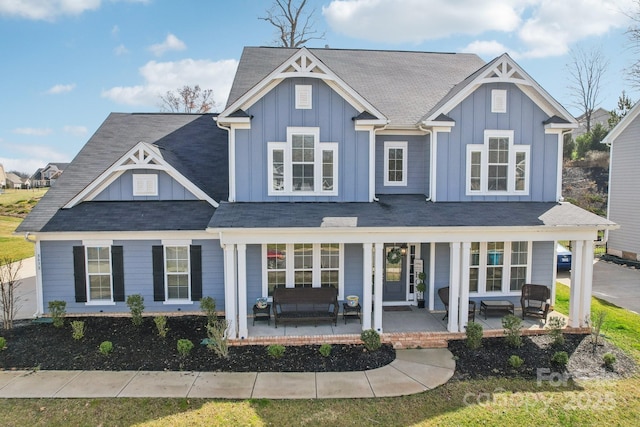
294, 27
9, 269
633, 35
188, 99
586, 69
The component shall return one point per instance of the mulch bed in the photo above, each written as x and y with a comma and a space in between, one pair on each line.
42, 346
491, 359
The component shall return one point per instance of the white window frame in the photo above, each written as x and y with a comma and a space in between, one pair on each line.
498, 101
290, 268
145, 184
304, 97
506, 270
319, 147
403, 145
483, 149
167, 274
98, 245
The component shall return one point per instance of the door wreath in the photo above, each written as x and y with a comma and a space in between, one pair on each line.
394, 256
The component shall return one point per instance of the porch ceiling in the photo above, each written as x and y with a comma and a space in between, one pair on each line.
404, 211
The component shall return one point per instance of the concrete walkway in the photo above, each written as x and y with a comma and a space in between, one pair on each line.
413, 371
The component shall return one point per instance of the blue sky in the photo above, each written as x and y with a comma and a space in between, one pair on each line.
66, 64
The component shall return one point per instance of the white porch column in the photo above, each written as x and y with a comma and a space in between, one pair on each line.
575, 294
377, 283
230, 290
454, 286
432, 275
39, 294
587, 281
463, 317
367, 269
243, 330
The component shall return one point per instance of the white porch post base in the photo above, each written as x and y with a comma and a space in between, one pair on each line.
454, 286
377, 310
243, 330
230, 290
367, 269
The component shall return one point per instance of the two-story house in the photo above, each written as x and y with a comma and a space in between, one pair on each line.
347, 168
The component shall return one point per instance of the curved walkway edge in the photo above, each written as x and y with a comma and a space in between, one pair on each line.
413, 371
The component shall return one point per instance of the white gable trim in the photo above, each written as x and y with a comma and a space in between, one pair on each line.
622, 125
301, 64
142, 156
505, 70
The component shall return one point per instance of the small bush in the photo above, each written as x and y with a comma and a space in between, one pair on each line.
555, 326
512, 330
3, 343
135, 303
474, 335
515, 361
106, 347
609, 360
78, 329
217, 334
325, 349
161, 325
560, 358
276, 350
184, 347
371, 339
208, 306
58, 309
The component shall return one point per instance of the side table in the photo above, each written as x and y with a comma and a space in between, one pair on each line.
351, 311
262, 314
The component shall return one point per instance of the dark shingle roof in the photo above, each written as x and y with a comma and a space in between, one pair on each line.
405, 211
402, 85
191, 143
133, 216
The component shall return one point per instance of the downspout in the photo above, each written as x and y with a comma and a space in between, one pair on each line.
39, 295
431, 160
372, 156
231, 162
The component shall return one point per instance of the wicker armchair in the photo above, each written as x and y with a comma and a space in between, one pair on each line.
443, 293
535, 300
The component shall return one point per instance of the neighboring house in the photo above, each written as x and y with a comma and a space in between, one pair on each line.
36, 179
14, 181
624, 175
599, 116
325, 167
47, 176
3, 177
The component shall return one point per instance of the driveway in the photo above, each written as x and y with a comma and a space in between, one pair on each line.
614, 283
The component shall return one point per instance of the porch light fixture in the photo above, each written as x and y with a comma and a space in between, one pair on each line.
403, 249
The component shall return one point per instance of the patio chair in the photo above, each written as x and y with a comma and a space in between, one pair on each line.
443, 293
535, 300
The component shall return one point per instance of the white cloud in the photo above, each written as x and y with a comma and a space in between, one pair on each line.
533, 28
58, 89
33, 131
170, 43
46, 10
490, 48
75, 130
160, 77
28, 158
121, 50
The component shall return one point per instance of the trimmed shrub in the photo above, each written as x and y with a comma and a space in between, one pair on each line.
78, 329
161, 325
515, 361
474, 335
512, 330
106, 347
276, 350
184, 347
555, 326
609, 360
135, 303
208, 306
58, 309
217, 334
371, 339
325, 349
560, 358
3, 343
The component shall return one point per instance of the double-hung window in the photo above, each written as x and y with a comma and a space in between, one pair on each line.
499, 267
395, 163
99, 273
303, 165
297, 265
176, 260
498, 166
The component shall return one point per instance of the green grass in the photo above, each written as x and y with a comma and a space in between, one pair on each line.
14, 206
19, 202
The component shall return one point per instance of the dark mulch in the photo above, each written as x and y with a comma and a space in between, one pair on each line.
42, 346
491, 360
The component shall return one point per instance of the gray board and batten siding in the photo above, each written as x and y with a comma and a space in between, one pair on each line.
122, 188
473, 116
624, 203
271, 116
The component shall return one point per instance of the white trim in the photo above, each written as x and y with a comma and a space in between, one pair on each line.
433, 193
100, 302
505, 286
463, 310
404, 146
454, 285
98, 245
367, 291
372, 165
232, 164
377, 285
559, 167
622, 125
498, 101
176, 242
243, 330
304, 97
168, 300
432, 275
230, 301
180, 301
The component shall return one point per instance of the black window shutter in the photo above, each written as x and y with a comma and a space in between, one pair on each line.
196, 272
117, 263
79, 274
158, 273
